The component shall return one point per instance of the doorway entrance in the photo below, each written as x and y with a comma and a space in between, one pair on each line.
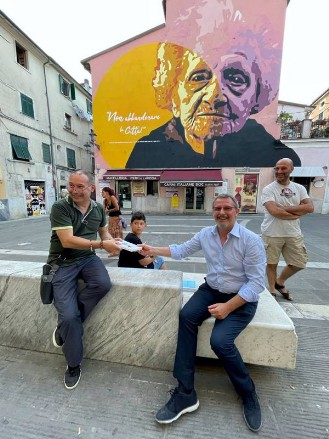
124, 194
194, 198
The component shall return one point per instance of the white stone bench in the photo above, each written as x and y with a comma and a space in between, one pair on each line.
270, 338
136, 323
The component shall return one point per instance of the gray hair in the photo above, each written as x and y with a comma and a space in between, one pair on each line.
89, 175
224, 196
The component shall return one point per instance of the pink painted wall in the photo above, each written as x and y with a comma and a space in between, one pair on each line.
240, 43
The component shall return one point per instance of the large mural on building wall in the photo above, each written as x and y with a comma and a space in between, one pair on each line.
204, 95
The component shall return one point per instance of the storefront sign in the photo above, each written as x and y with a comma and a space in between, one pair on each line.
138, 188
188, 183
130, 177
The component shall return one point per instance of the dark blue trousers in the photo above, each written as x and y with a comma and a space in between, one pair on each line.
73, 308
222, 338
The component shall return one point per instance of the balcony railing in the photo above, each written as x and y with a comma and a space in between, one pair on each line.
320, 128
291, 130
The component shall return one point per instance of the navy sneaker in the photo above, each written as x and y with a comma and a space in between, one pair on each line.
72, 377
57, 339
251, 411
178, 404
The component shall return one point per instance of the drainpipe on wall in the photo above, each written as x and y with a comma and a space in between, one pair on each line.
53, 165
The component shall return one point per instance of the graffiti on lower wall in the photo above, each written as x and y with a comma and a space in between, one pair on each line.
35, 198
4, 210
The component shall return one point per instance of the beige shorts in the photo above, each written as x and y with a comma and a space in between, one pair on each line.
292, 248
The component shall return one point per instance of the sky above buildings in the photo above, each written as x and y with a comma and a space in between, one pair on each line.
70, 31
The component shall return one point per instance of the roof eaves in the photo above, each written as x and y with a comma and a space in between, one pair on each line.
322, 95
85, 62
292, 103
43, 53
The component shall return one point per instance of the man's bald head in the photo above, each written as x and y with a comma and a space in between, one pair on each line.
282, 170
285, 161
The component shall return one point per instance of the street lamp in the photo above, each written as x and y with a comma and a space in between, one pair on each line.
92, 142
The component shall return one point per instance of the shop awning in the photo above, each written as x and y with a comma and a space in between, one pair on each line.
124, 174
308, 171
191, 177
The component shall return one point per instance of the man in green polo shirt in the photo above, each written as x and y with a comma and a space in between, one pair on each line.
75, 222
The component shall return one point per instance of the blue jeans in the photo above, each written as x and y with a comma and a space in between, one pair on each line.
73, 308
222, 338
159, 261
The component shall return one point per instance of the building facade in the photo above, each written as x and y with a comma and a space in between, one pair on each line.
190, 109
303, 131
45, 126
321, 108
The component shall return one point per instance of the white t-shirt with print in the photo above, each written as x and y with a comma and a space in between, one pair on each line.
290, 195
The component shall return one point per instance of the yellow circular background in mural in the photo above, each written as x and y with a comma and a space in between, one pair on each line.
124, 106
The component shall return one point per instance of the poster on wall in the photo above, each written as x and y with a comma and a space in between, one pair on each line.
246, 187
171, 191
218, 190
35, 198
138, 188
207, 98
175, 200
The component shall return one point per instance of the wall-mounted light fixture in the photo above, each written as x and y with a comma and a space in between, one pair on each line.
318, 182
92, 142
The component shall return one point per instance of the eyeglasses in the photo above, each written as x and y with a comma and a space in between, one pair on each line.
79, 188
226, 209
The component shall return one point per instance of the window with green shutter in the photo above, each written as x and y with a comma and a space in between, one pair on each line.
72, 88
89, 106
70, 155
46, 153
27, 105
20, 148
64, 86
